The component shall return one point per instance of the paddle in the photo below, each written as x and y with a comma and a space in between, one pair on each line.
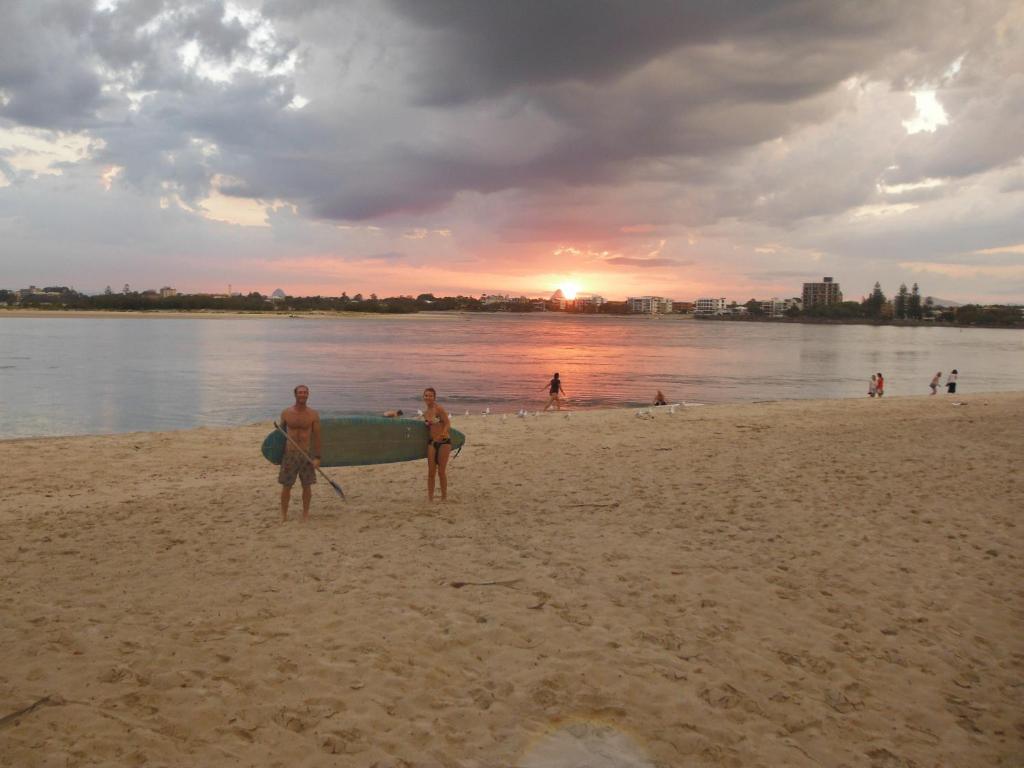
334, 485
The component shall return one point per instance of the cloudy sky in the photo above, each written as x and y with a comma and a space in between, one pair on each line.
677, 147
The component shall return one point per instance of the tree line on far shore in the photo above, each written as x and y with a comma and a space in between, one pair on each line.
906, 306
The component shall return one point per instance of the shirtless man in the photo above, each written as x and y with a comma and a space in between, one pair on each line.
303, 427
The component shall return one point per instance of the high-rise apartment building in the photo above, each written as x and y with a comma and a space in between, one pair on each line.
821, 294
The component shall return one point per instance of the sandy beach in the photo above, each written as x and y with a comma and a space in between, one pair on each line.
826, 583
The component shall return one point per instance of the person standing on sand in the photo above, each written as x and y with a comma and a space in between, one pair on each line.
935, 382
555, 391
439, 443
880, 384
303, 427
873, 386
951, 382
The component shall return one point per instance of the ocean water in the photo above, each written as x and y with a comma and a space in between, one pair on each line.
69, 376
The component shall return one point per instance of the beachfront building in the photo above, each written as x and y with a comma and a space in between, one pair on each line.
682, 307
822, 294
167, 292
776, 307
24, 293
492, 299
649, 305
588, 302
709, 307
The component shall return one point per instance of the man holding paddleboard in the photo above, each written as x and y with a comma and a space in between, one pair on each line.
301, 453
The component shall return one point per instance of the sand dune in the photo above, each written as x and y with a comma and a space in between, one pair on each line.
780, 584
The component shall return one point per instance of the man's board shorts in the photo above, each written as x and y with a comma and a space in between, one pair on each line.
293, 465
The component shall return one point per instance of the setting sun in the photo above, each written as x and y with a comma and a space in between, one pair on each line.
569, 290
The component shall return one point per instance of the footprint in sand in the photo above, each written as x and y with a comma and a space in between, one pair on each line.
344, 742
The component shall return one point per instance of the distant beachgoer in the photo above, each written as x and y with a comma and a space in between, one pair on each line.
880, 385
439, 443
951, 382
873, 386
393, 414
935, 382
555, 392
659, 399
303, 426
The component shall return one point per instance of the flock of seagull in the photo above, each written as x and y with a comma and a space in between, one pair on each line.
643, 413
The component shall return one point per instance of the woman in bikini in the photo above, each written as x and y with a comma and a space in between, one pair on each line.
439, 443
555, 392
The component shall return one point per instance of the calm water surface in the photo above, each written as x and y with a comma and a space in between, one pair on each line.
65, 376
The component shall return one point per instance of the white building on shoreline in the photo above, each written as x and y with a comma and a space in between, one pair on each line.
709, 307
649, 305
776, 307
588, 300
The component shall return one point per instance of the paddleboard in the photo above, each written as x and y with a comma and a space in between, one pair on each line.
352, 441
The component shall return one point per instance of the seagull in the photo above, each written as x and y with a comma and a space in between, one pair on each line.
419, 413
487, 411
467, 413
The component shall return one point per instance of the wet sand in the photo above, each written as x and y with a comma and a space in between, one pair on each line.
781, 584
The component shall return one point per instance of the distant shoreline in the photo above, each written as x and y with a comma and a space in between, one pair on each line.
201, 314
854, 321
316, 313
207, 314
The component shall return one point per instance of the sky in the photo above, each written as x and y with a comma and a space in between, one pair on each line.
680, 148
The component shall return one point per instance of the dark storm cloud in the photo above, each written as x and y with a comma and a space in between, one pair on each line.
46, 73
293, 9
56, 56
622, 89
618, 88
484, 49
206, 24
